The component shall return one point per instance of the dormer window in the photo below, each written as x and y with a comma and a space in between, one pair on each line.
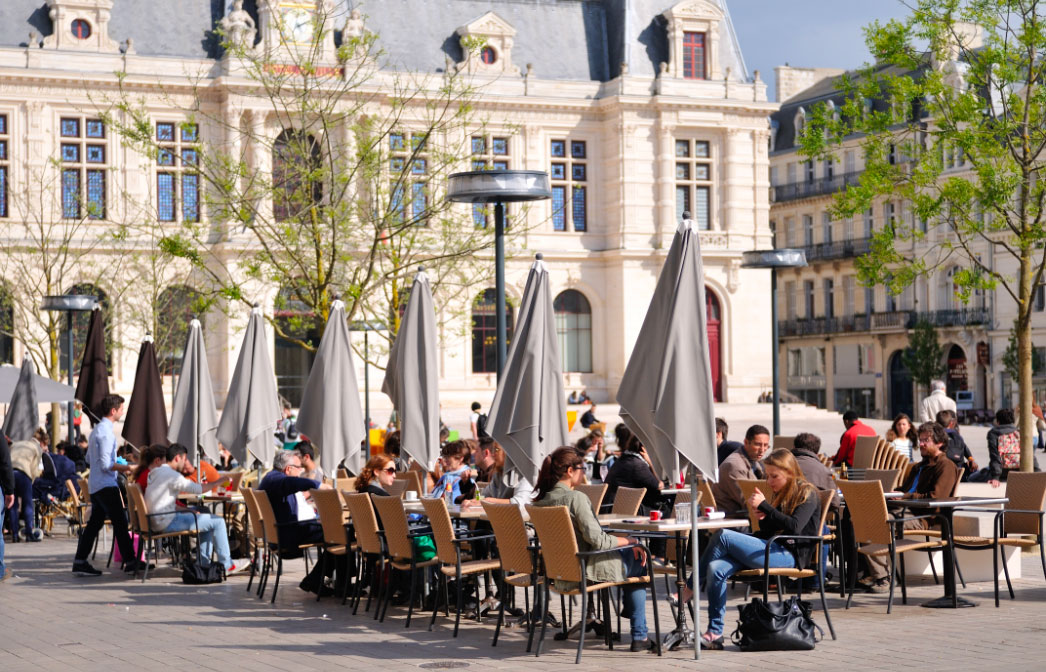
488, 55
692, 30
81, 29
694, 56
495, 56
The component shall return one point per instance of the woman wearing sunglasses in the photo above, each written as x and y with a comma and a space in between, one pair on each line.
377, 476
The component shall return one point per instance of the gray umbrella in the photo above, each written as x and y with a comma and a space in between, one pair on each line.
47, 391
330, 413
194, 418
23, 415
666, 393
528, 414
252, 407
412, 376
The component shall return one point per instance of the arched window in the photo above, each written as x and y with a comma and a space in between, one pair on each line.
485, 332
295, 165
81, 321
7, 323
301, 330
574, 328
175, 309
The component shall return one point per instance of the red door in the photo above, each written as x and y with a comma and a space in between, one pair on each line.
712, 310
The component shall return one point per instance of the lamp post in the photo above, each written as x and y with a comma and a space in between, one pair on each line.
366, 328
69, 304
499, 187
774, 259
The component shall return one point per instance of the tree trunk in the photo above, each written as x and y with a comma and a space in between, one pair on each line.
1024, 358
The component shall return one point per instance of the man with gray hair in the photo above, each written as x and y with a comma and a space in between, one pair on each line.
935, 403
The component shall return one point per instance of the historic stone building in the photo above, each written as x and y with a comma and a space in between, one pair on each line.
639, 109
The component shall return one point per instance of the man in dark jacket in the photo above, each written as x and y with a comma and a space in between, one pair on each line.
633, 470
805, 448
957, 451
723, 447
1004, 450
7, 489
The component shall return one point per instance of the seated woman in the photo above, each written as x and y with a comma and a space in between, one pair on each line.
560, 472
457, 477
794, 508
377, 476
634, 470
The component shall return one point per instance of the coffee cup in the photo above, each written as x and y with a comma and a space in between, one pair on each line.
655, 516
410, 495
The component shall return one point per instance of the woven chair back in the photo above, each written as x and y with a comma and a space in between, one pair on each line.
867, 507
627, 501
257, 527
394, 521
888, 477
343, 483
341, 473
864, 452
75, 499
136, 509
747, 488
1025, 490
558, 543
959, 471
442, 528
786, 442
364, 522
412, 480
510, 533
397, 488
332, 515
595, 493
268, 517
705, 490
83, 489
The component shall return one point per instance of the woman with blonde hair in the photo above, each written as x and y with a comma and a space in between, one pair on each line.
794, 507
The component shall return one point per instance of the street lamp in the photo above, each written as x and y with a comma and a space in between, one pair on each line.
69, 304
366, 328
499, 187
774, 259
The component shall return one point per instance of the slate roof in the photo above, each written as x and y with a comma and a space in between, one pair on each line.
579, 40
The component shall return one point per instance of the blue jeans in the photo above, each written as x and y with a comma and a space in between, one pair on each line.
3, 567
22, 510
213, 536
633, 604
730, 552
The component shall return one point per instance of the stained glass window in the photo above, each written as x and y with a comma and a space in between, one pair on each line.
396, 142
95, 128
559, 205
479, 145
578, 208
479, 164
71, 153
191, 197
70, 128
500, 165
95, 154
71, 193
501, 146
559, 148
479, 215
190, 157
577, 149
165, 132
190, 132
165, 197
177, 157
96, 194
419, 167
577, 172
559, 171
569, 215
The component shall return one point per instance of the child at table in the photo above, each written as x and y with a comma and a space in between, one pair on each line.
457, 476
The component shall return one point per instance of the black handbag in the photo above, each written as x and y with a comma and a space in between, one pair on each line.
195, 574
776, 626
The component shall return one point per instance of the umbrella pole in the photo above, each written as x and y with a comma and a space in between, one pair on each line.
695, 545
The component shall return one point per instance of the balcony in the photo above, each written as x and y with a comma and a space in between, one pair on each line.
901, 320
842, 249
819, 187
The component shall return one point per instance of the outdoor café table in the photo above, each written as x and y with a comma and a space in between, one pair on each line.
945, 508
681, 633
229, 502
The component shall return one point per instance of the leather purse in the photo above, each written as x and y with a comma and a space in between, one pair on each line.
776, 626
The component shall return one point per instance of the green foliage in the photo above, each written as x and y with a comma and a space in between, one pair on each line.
1011, 361
924, 357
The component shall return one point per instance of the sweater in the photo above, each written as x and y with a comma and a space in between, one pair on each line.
162, 496
590, 536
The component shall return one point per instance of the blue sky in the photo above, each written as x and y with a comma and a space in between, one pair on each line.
806, 33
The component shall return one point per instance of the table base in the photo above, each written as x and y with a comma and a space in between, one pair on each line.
946, 603
677, 638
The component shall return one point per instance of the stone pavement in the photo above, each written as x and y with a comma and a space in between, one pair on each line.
51, 620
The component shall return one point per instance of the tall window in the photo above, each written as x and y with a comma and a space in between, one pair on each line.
869, 222
7, 321
488, 153
485, 332
790, 310
175, 308
177, 182
694, 56
829, 297
849, 295
808, 299
4, 166
569, 177
409, 177
869, 300
293, 362
694, 181
826, 228
84, 163
295, 163
574, 328
808, 230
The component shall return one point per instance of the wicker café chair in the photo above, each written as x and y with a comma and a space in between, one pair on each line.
747, 488
935, 532
398, 548
518, 558
335, 525
705, 492
256, 537
397, 488
345, 483
784, 442
564, 562
1021, 516
453, 562
888, 477
875, 535
595, 493
271, 530
766, 571
864, 452
368, 546
138, 513
413, 481
627, 501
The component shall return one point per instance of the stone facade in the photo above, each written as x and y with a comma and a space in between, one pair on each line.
633, 114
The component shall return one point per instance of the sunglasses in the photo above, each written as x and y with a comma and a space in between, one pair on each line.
389, 470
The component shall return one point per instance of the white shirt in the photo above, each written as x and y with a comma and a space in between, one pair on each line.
162, 495
937, 401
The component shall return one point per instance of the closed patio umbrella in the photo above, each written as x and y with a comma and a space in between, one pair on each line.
252, 407
666, 393
23, 414
145, 422
47, 391
330, 413
194, 418
93, 383
528, 414
412, 375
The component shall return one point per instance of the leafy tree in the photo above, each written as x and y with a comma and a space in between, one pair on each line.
955, 79
1012, 362
924, 357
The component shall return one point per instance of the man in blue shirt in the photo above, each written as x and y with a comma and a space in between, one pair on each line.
106, 501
